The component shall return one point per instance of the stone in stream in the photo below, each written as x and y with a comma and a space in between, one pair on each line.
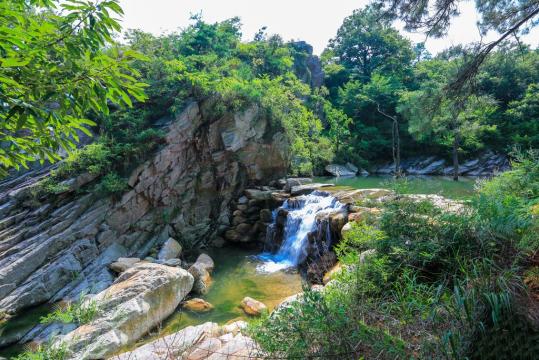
253, 307
201, 270
140, 299
171, 249
197, 305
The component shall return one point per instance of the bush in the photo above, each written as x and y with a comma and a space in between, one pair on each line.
79, 313
47, 351
111, 184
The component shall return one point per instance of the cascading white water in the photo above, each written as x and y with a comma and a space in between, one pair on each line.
300, 221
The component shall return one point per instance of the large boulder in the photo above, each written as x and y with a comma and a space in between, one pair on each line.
141, 298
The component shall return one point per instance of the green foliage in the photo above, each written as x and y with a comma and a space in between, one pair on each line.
111, 184
450, 284
48, 351
321, 326
58, 64
81, 312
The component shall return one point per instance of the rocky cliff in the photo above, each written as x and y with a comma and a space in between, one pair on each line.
62, 246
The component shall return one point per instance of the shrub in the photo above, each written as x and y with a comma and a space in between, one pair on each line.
48, 351
80, 312
111, 184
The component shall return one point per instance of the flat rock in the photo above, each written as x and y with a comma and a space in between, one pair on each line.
307, 188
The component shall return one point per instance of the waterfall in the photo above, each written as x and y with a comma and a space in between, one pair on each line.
300, 221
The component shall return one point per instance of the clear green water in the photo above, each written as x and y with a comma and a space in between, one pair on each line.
440, 185
234, 277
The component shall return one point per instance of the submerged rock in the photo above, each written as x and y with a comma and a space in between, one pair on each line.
253, 307
138, 301
197, 305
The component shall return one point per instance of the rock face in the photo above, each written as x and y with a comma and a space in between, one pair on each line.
139, 300
253, 214
486, 164
63, 245
206, 341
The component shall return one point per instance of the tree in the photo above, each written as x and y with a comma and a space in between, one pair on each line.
453, 122
58, 65
366, 43
338, 123
508, 18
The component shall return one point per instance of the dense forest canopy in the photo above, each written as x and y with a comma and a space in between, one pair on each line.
377, 84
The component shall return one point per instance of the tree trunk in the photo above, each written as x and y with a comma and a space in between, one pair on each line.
396, 148
456, 157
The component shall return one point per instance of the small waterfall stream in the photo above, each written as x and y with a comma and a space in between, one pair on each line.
300, 221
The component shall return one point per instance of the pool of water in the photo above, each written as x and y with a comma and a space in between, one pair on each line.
234, 277
440, 185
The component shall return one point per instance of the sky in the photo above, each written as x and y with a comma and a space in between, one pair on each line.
315, 21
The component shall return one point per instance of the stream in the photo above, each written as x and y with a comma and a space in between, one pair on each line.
267, 277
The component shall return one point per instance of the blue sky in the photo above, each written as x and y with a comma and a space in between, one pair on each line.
314, 21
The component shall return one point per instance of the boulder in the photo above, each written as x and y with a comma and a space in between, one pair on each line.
253, 307
173, 346
206, 341
201, 270
363, 213
296, 182
173, 262
197, 305
171, 249
243, 200
140, 299
259, 195
345, 229
206, 262
341, 170
122, 264
266, 215
232, 235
